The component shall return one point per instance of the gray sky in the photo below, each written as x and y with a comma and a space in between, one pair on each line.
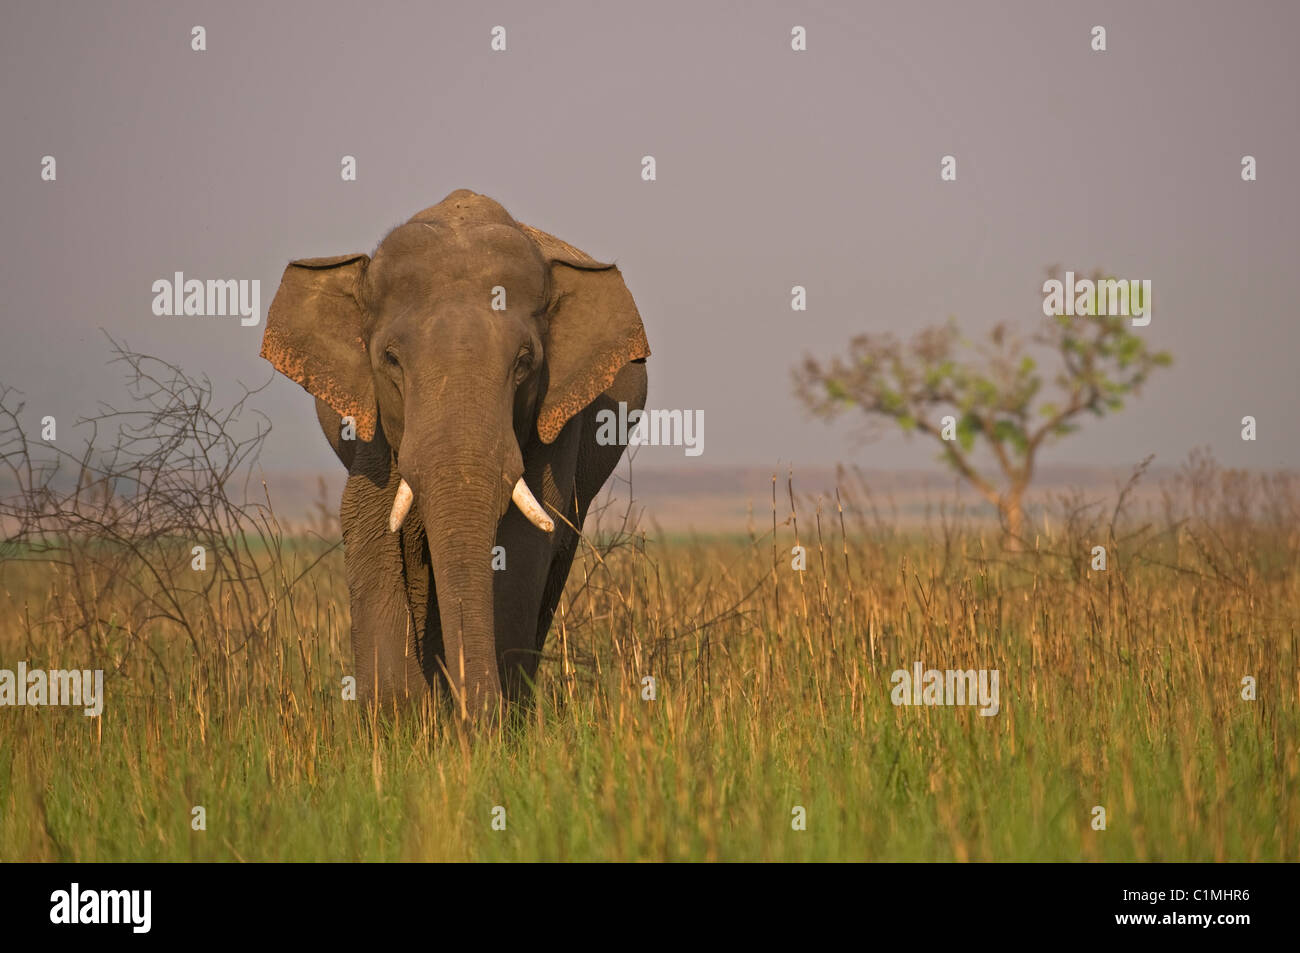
775, 168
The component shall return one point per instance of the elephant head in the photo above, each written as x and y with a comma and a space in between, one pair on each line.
464, 345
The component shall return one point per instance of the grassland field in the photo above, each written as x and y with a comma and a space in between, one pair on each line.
1120, 689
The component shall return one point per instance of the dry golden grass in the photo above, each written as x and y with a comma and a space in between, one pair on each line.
1120, 689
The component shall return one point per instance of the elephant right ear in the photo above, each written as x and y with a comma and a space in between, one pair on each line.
314, 335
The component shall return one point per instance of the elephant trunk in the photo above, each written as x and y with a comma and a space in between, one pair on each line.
460, 506
459, 462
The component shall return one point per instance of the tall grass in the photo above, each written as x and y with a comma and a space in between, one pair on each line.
1119, 688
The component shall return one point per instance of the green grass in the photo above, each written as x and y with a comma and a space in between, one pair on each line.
1119, 689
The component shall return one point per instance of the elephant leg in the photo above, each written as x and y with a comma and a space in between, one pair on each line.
590, 465
519, 589
383, 627
425, 653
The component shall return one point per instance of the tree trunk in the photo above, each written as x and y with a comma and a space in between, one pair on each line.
1012, 507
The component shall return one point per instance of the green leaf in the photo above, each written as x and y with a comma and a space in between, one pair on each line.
891, 402
1006, 431
967, 428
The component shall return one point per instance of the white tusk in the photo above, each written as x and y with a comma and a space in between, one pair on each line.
524, 499
401, 506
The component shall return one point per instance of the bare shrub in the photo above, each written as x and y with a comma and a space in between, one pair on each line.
154, 529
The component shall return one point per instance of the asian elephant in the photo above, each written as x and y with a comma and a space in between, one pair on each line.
470, 354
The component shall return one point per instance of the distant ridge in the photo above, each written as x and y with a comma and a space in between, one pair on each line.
726, 498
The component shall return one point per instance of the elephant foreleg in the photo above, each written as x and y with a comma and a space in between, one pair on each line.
383, 627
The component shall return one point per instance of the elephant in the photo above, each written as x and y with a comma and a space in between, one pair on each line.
459, 372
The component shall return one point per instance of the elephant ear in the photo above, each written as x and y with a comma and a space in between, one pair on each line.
595, 330
314, 335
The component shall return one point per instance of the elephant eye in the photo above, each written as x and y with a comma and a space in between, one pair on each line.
390, 358
523, 362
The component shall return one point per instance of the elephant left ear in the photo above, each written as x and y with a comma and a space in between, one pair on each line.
315, 336
595, 330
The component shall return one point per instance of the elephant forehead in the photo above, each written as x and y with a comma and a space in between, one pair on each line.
464, 206
419, 261
488, 243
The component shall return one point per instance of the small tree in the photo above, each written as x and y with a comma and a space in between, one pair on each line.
993, 395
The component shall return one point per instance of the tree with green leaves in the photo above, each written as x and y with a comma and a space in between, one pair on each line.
993, 391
